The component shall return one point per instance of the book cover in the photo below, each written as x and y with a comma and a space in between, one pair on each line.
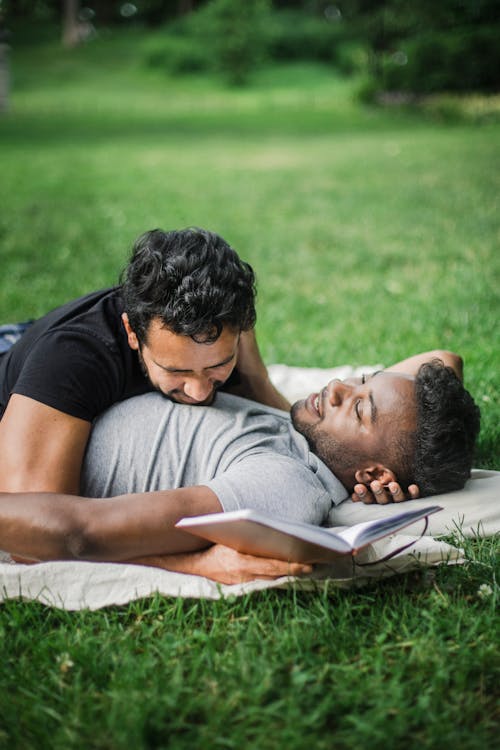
259, 534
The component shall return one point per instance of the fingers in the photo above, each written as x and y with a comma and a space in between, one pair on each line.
361, 494
381, 494
397, 493
226, 565
375, 494
266, 567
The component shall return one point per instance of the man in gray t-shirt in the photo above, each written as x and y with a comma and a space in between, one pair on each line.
150, 463
248, 454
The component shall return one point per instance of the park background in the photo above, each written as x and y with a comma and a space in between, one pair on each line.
350, 152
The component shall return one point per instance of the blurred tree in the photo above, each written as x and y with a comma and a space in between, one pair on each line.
4, 64
237, 34
224, 36
156, 12
105, 12
71, 28
427, 46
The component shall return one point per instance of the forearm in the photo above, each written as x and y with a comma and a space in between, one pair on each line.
255, 383
57, 527
411, 365
30, 527
225, 565
191, 563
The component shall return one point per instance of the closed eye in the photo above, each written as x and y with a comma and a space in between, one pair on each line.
359, 413
222, 364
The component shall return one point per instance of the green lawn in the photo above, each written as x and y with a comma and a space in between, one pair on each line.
374, 235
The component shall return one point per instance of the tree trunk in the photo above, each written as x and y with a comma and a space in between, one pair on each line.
185, 7
4, 74
71, 35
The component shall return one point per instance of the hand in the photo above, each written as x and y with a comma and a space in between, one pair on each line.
225, 565
378, 493
24, 560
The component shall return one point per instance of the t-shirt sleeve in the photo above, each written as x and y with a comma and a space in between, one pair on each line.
72, 371
278, 485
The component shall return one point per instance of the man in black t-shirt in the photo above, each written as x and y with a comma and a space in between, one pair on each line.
180, 323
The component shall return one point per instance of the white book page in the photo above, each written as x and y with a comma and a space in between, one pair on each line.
365, 533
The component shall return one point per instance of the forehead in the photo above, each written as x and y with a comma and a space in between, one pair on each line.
394, 394
175, 351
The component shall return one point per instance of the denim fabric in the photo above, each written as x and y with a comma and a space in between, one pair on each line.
10, 333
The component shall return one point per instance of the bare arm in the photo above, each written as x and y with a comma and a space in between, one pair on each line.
41, 448
412, 365
225, 565
255, 382
53, 526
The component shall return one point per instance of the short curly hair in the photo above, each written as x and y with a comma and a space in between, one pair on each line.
191, 280
438, 455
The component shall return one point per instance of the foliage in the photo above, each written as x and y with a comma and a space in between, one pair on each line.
225, 37
455, 60
295, 35
177, 54
426, 47
404, 46
235, 33
454, 108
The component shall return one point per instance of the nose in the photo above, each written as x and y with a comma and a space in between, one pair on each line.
198, 388
337, 391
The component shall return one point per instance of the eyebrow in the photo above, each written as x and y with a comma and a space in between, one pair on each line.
210, 367
374, 410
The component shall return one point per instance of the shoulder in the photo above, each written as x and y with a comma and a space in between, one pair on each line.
273, 483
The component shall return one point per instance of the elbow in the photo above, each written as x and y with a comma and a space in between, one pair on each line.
80, 533
77, 541
77, 545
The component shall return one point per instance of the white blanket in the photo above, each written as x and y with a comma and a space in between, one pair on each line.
82, 585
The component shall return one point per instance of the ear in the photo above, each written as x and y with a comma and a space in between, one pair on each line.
133, 341
381, 473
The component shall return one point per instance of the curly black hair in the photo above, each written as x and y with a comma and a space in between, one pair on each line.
190, 279
448, 422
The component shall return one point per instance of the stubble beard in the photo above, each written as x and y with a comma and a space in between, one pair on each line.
171, 395
326, 447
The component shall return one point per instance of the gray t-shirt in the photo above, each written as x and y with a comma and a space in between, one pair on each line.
248, 454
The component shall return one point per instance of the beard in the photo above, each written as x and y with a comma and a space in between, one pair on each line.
172, 395
145, 372
341, 461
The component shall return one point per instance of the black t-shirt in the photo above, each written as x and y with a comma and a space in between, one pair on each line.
75, 359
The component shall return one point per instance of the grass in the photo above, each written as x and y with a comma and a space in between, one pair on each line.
406, 663
374, 234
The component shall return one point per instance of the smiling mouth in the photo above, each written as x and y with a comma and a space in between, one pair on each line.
314, 402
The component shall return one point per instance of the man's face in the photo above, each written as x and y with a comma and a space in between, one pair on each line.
182, 369
353, 423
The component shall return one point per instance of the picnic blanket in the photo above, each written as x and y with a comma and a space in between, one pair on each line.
84, 585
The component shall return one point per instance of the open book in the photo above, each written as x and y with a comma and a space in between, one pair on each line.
258, 534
